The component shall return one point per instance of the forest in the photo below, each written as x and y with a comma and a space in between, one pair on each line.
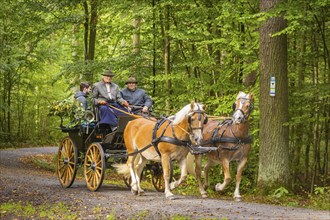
179, 50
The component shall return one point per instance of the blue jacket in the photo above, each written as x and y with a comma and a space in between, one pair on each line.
137, 97
82, 98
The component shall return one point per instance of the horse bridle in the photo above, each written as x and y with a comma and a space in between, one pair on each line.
200, 113
242, 101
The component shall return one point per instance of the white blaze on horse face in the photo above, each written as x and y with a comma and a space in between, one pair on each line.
238, 116
196, 136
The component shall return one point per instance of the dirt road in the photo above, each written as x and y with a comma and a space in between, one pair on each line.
21, 182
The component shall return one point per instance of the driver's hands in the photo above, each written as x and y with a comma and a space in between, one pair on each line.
102, 102
124, 103
145, 109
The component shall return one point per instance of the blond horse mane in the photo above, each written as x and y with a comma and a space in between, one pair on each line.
180, 116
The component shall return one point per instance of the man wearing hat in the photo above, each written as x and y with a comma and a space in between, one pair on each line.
106, 95
137, 98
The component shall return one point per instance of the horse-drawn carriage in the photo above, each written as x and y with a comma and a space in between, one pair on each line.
160, 141
96, 147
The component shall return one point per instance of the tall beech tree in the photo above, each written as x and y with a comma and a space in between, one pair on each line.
274, 133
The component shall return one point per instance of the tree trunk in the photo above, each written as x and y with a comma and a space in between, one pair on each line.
167, 46
136, 35
154, 49
274, 168
74, 43
299, 134
136, 41
90, 34
86, 28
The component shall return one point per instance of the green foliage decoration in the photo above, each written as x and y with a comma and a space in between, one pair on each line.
67, 109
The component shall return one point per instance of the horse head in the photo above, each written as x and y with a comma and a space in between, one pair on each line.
195, 118
242, 107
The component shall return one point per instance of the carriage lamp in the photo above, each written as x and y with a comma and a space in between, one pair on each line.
272, 86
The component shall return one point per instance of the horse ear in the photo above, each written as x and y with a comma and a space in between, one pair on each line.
204, 107
192, 105
251, 97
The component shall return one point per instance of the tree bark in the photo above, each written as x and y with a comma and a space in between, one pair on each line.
90, 34
135, 40
274, 168
167, 46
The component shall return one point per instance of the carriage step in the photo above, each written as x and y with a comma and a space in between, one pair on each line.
201, 150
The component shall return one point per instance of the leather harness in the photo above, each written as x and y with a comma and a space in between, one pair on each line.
221, 139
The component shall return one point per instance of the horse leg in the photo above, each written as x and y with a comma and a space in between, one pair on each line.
166, 172
130, 164
183, 176
240, 168
198, 164
207, 168
190, 161
225, 167
139, 168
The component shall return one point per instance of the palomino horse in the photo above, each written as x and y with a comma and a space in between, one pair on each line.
233, 141
164, 141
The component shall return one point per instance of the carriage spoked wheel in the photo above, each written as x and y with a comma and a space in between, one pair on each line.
94, 166
157, 176
67, 161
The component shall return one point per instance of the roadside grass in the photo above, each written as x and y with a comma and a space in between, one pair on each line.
26, 210
318, 200
16, 145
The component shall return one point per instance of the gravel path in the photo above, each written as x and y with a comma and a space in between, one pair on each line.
21, 182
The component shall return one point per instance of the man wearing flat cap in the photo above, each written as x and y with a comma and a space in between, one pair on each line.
137, 98
105, 95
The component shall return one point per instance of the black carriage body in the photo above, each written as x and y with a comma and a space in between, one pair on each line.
84, 134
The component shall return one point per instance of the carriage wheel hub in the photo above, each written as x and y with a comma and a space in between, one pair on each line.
93, 166
66, 161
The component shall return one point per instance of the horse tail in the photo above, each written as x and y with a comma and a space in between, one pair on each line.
122, 168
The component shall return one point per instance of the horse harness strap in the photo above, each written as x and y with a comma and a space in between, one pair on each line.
221, 139
172, 140
155, 141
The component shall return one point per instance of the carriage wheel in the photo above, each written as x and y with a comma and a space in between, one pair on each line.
158, 178
67, 161
94, 166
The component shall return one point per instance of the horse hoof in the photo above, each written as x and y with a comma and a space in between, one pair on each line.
134, 192
218, 187
172, 197
205, 187
204, 196
238, 199
173, 185
141, 193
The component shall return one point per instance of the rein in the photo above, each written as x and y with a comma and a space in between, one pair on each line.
139, 116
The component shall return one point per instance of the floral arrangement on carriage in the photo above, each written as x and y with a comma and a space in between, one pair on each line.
71, 112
